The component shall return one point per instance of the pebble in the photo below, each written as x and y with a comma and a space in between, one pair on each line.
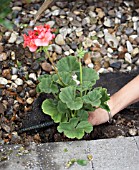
55, 12
110, 39
60, 40
128, 58
87, 42
32, 76
129, 47
3, 81
6, 128
14, 77
133, 131
108, 22
19, 82
56, 48
3, 56
51, 23
13, 37
116, 65
14, 70
46, 66
29, 100
135, 52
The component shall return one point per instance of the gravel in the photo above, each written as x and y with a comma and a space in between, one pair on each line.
108, 32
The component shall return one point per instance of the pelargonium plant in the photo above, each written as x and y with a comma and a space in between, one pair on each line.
71, 86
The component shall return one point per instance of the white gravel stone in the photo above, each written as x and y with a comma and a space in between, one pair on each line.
3, 81
110, 50
16, 8
60, 40
87, 42
32, 76
121, 48
67, 53
71, 51
129, 68
3, 56
29, 82
111, 39
128, 58
30, 100
129, 46
135, 25
91, 65
101, 70
56, 12
100, 34
135, 18
133, 36
13, 37
51, 23
13, 55
19, 81
14, 77
7, 34
107, 22
135, 51
92, 14
117, 21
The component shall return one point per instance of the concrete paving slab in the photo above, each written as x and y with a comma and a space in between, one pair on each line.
108, 154
115, 154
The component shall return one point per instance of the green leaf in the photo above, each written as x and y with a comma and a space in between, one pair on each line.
74, 130
66, 78
49, 107
86, 85
105, 97
46, 85
83, 115
43, 76
69, 129
82, 162
89, 75
85, 126
68, 96
62, 108
93, 98
68, 64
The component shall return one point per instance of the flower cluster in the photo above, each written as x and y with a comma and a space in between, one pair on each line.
40, 36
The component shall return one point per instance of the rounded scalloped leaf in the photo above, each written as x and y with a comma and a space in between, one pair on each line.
74, 130
89, 75
47, 86
49, 107
85, 125
83, 115
67, 95
68, 64
69, 129
93, 98
76, 104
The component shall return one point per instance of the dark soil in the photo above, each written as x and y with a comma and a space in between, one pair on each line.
125, 123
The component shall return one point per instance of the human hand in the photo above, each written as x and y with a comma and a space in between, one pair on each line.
98, 117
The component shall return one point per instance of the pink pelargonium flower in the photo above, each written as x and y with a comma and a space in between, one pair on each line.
40, 36
44, 35
44, 38
29, 41
41, 28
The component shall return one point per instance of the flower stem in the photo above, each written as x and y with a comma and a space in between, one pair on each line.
56, 71
81, 75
